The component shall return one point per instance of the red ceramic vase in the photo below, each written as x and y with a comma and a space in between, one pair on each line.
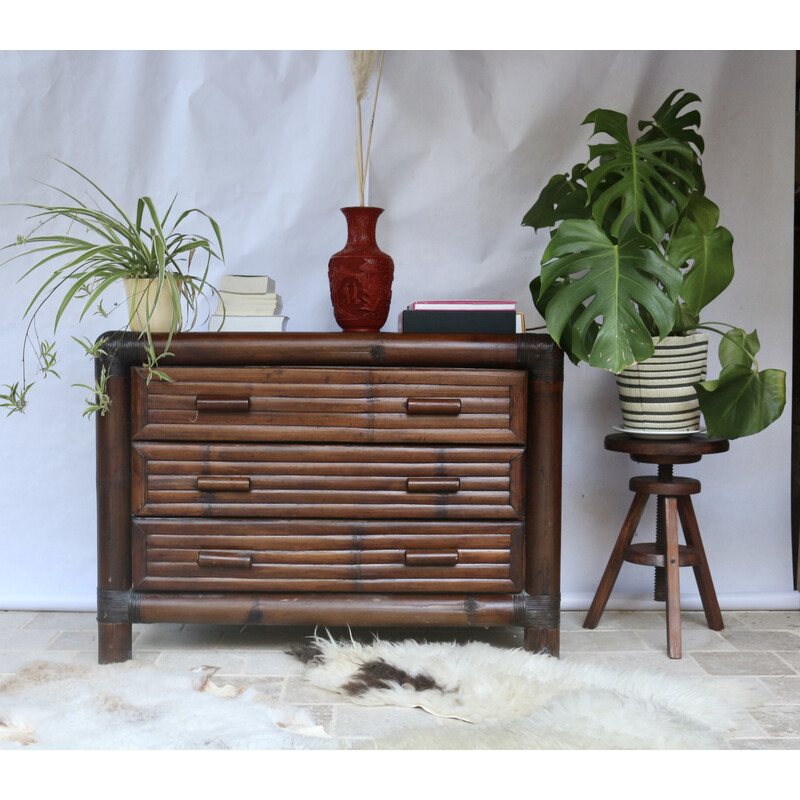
361, 274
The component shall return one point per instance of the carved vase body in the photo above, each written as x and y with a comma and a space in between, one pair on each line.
361, 274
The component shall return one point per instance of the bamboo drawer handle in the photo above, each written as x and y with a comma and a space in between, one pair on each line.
234, 560
431, 558
435, 485
224, 404
444, 406
223, 483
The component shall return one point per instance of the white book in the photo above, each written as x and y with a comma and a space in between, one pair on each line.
241, 298
247, 284
247, 296
248, 305
257, 324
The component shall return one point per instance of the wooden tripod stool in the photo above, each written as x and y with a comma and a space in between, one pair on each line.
673, 501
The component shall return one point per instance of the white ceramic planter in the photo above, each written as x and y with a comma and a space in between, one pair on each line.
141, 294
658, 394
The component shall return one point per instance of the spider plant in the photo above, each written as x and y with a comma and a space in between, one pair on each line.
84, 249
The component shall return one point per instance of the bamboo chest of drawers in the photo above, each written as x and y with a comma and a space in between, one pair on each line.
367, 480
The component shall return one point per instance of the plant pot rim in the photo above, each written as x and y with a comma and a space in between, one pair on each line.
682, 337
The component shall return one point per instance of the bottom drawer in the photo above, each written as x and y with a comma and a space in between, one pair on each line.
337, 556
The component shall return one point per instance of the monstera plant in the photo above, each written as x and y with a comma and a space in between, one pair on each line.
636, 253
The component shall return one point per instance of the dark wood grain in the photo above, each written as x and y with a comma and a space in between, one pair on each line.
327, 481
341, 609
666, 554
666, 451
330, 405
113, 519
353, 479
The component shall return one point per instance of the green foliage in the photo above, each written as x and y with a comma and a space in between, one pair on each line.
600, 277
698, 241
649, 180
47, 358
637, 252
564, 197
15, 399
742, 401
83, 250
98, 401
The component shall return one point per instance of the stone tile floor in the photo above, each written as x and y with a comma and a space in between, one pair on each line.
758, 651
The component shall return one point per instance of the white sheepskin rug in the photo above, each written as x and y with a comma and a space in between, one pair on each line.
51, 706
512, 699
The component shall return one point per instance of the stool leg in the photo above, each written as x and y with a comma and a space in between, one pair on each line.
702, 573
615, 561
672, 577
665, 473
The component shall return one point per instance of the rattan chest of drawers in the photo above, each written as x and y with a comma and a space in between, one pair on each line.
331, 479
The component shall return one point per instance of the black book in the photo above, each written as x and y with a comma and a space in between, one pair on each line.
429, 321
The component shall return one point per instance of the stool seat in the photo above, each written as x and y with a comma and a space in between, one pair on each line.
666, 451
669, 487
674, 502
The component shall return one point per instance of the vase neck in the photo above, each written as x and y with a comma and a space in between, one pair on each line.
361, 223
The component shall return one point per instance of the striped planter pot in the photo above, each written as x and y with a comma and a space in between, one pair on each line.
658, 394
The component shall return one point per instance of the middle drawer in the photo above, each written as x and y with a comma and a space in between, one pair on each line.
328, 481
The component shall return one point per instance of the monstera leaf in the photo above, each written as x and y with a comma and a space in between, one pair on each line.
588, 277
564, 197
742, 401
669, 121
650, 180
698, 239
588, 335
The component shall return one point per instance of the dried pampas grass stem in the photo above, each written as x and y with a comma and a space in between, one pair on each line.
362, 66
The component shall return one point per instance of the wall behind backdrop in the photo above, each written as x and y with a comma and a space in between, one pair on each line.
264, 142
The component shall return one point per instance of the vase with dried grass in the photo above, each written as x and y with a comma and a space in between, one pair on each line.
361, 274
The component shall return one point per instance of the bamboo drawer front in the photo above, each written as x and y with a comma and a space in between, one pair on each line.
327, 556
324, 482
330, 479
331, 405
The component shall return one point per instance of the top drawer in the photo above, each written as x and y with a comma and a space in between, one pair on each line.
311, 404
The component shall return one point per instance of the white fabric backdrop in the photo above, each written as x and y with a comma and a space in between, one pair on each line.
463, 142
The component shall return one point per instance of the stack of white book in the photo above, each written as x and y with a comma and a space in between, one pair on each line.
248, 303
